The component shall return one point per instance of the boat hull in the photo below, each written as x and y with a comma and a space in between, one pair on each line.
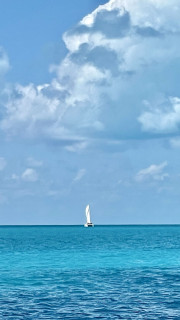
89, 225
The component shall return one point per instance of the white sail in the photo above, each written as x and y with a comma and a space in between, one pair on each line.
88, 218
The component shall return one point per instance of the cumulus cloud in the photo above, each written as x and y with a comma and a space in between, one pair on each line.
2, 163
153, 172
144, 13
30, 175
162, 119
119, 55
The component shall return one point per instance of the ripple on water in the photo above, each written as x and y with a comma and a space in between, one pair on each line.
119, 294
106, 273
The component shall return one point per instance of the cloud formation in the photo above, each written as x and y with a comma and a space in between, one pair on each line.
120, 55
153, 172
80, 174
4, 62
162, 119
29, 175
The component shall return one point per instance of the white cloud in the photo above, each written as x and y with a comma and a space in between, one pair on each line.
2, 163
80, 174
154, 172
56, 114
76, 147
26, 109
30, 175
110, 69
4, 62
142, 13
163, 119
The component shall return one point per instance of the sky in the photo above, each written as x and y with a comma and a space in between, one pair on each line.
89, 111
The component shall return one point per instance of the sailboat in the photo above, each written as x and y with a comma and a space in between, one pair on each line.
88, 217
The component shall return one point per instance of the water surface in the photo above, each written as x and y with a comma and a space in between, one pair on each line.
105, 272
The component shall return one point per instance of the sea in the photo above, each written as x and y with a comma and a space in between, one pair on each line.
105, 272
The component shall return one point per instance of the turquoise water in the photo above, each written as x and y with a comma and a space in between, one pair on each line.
105, 272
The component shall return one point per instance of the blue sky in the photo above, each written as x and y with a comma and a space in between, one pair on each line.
89, 111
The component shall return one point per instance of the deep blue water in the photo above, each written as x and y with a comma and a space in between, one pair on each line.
113, 272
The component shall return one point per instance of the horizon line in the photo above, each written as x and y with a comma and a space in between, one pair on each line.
82, 225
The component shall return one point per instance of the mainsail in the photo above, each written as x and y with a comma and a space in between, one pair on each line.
88, 214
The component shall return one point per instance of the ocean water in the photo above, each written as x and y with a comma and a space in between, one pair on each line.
105, 272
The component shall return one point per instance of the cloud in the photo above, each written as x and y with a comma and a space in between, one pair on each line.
162, 119
29, 175
2, 163
154, 172
76, 147
121, 54
80, 174
4, 62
